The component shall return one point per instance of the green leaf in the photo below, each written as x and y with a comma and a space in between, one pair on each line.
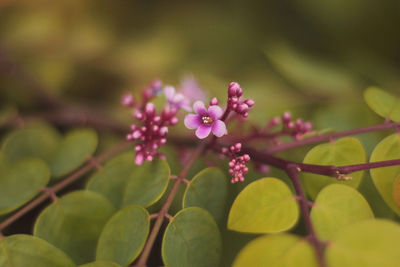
368, 243
337, 206
147, 183
75, 149
208, 190
345, 151
27, 250
192, 238
124, 236
100, 264
264, 206
383, 103
21, 182
34, 140
384, 178
279, 250
74, 223
111, 180
396, 192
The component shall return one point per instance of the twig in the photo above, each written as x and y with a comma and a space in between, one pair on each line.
164, 209
322, 138
62, 184
318, 245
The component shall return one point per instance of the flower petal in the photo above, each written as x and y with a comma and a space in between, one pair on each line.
203, 131
215, 112
219, 128
199, 108
169, 92
192, 121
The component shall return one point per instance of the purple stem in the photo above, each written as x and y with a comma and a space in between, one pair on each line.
317, 244
322, 138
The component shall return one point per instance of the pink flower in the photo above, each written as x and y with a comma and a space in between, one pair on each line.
176, 100
191, 89
206, 121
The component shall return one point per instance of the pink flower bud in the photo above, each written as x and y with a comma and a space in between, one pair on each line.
139, 158
238, 147
249, 102
163, 131
150, 109
128, 100
233, 88
213, 101
173, 121
136, 134
138, 114
286, 117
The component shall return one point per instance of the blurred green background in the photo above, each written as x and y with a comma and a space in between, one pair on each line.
302, 55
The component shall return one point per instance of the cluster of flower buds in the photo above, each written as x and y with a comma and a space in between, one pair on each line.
235, 103
297, 128
237, 164
152, 133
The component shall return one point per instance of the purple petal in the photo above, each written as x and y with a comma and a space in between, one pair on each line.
199, 108
186, 105
169, 92
192, 121
215, 112
203, 131
219, 128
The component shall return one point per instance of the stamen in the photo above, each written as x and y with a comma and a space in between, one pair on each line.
207, 119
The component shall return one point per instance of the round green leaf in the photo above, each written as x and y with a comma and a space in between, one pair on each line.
27, 250
345, 151
147, 183
100, 264
208, 190
74, 223
124, 236
111, 180
35, 140
264, 206
75, 149
384, 178
383, 103
368, 243
20, 182
192, 238
337, 206
280, 250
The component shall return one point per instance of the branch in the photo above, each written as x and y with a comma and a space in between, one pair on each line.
65, 182
317, 244
322, 138
164, 209
338, 172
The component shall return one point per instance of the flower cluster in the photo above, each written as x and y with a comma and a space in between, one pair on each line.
152, 133
152, 129
295, 128
235, 103
237, 164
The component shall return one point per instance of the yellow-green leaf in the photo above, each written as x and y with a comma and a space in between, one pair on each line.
345, 151
264, 206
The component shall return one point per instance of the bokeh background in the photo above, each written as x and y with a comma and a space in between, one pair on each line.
311, 57
297, 54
